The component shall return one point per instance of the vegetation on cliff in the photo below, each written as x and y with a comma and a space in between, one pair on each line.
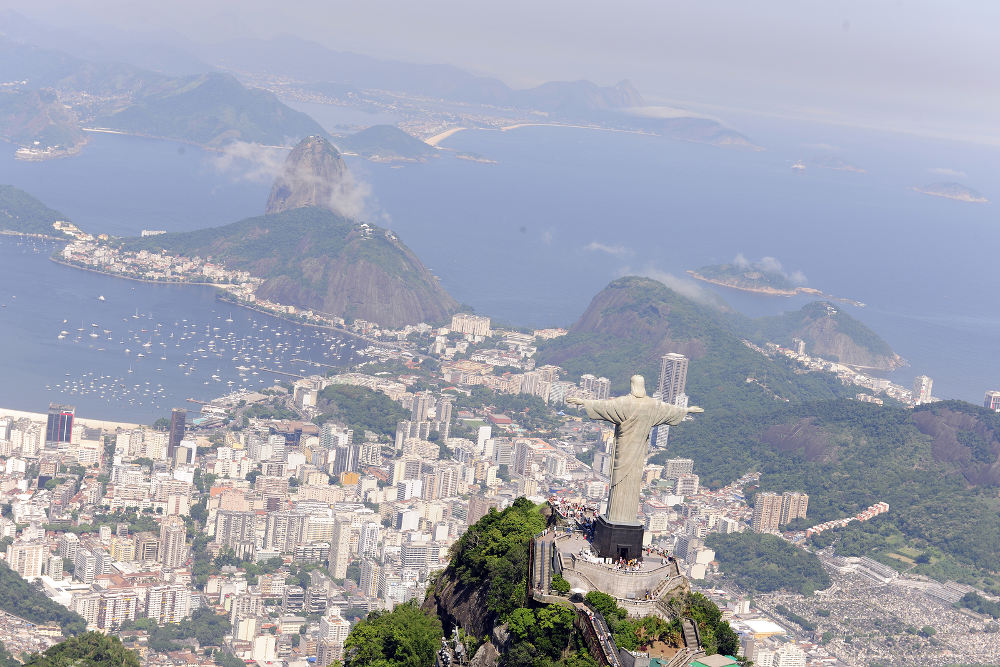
829, 332
25, 599
639, 634
847, 456
766, 563
404, 637
494, 552
90, 649
22, 213
314, 258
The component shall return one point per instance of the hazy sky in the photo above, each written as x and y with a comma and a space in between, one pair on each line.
918, 65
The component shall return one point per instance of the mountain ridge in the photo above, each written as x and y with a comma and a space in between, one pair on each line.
314, 258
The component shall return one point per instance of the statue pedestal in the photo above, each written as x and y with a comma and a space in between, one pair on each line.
617, 540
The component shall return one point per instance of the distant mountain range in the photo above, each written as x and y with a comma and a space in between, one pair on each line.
208, 109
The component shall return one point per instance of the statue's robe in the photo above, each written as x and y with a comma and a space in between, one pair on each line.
633, 418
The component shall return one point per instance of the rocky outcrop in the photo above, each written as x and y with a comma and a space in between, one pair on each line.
314, 174
460, 605
486, 656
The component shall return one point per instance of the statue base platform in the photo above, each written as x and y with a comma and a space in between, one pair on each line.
617, 540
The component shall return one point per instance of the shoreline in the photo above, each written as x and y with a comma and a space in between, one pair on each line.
133, 278
441, 136
222, 293
103, 424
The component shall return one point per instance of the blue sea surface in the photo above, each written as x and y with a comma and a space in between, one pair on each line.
530, 239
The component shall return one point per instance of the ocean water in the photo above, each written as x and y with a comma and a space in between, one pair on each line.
530, 239
140, 351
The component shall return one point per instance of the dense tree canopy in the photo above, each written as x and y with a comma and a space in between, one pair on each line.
764, 563
404, 637
90, 649
24, 599
495, 550
361, 409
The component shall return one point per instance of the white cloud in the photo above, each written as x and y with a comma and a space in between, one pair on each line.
243, 161
683, 286
615, 250
771, 265
944, 171
741, 261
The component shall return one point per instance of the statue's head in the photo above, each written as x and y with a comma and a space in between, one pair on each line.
638, 386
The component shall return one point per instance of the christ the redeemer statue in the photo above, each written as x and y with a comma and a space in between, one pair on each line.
634, 416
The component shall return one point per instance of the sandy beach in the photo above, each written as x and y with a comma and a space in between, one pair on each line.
89, 423
438, 138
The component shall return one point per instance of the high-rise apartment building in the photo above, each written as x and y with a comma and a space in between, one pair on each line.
178, 418
173, 542
674, 468
284, 530
59, 428
793, 506
421, 406
27, 558
673, 376
766, 512
470, 325
992, 401
340, 548
922, 388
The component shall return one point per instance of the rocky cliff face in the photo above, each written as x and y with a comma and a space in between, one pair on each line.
314, 174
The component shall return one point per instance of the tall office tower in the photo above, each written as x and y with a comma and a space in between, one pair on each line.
178, 417
421, 406
673, 376
922, 388
992, 401
60, 425
340, 548
173, 547
766, 512
793, 506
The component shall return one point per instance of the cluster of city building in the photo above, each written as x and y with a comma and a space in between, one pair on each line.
918, 394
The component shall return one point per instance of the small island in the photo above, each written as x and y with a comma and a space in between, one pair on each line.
758, 279
955, 191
